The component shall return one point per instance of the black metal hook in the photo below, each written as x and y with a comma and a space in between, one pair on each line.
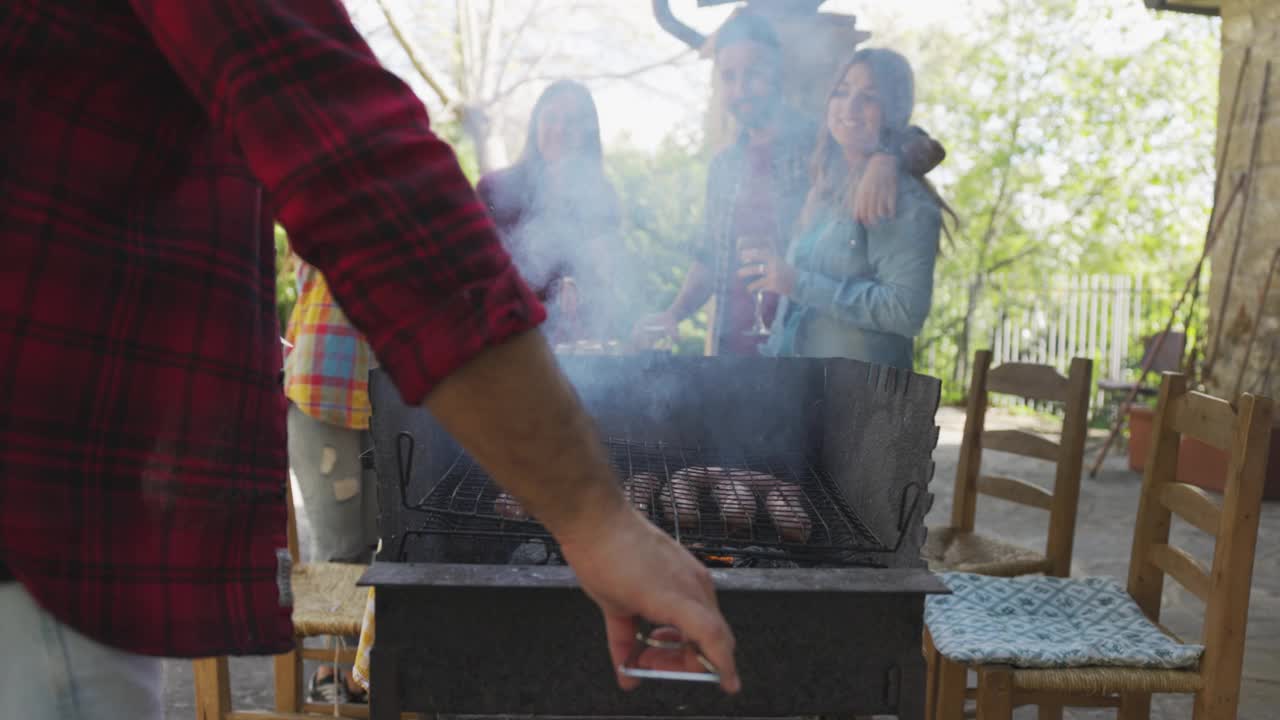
404, 465
906, 513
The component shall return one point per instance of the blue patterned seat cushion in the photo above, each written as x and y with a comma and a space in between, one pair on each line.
1049, 622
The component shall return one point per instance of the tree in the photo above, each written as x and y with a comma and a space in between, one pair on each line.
1065, 155
473, 58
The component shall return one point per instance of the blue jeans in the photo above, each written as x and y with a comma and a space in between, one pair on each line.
50, 672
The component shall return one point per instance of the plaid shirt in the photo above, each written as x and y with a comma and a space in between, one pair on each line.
145, 146
326, 374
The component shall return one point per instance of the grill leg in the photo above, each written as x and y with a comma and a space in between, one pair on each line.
384, 688
912, 688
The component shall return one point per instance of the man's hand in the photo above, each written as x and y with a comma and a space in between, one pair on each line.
876, 198
516, 414
693, 294
636, 570
771, 272
655, 327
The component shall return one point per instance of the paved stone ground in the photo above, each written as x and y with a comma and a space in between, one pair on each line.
1107, 508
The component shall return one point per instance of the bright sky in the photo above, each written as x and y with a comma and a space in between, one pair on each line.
644, 110
646, 118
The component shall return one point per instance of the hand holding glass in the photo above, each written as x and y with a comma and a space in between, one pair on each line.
755, 242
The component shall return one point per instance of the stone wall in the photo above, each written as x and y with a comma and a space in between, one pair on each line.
1252, 25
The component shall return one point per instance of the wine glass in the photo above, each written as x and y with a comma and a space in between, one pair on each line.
755, 242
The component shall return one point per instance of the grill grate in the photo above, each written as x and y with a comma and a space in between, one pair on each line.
731, 508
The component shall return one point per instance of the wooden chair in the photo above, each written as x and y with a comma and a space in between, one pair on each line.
1244, 432
959, 547
326, 602
1161, 353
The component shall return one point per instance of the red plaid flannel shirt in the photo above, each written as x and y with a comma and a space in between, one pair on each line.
144, 147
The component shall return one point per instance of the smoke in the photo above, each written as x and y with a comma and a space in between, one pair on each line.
571, 228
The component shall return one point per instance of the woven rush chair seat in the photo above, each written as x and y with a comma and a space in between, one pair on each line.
949, 548
1107, 680
326, 600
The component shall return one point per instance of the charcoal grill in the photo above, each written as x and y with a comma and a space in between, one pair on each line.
470, 621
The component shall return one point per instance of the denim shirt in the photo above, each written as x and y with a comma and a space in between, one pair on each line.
861, 292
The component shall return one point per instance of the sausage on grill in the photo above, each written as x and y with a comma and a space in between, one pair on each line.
786, 507
679, 500
509, 507
711, 475
737, 503
641, 489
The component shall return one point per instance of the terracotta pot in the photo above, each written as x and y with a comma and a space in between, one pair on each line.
1140, 420
1205, 466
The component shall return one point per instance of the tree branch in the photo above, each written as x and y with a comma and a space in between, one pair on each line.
1006, 262
1002, 191
423, 68
619, 75
513, 41
943, 332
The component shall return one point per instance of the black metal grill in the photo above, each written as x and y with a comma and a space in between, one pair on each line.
854, 438
730, 507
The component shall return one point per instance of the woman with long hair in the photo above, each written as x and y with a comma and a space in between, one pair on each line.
558, 212
849, 289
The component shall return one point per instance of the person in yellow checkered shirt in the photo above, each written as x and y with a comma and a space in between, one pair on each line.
326, 378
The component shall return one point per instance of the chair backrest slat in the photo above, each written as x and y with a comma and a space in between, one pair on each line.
1028, 380
1015, 490
1193, 505
1205, 418
1169, 356
1021, 442
1188, 571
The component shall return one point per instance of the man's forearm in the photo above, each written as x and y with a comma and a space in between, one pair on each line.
694, 293
517, 415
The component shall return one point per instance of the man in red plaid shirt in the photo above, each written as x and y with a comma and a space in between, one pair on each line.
147, 146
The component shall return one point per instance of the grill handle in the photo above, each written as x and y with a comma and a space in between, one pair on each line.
644, 640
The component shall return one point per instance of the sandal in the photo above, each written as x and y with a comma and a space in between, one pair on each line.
330, 691
327, 689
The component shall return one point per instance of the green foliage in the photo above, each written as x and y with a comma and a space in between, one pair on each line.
1065, 156
286, 287
451, 132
